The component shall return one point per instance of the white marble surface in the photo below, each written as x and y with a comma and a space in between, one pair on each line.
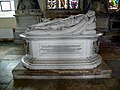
69, 43
73, 25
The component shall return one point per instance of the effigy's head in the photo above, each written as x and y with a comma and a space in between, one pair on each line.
90, 13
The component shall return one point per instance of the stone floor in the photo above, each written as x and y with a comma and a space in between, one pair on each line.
10, 56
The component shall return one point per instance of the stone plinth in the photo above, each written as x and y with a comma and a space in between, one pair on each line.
102, 71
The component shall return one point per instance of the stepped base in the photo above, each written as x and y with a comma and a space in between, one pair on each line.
88, 63
102, 71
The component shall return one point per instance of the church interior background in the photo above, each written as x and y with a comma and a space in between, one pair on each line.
28, 17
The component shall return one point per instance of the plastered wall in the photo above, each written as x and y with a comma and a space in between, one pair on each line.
6, 23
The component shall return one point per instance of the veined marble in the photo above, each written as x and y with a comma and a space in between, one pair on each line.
70, 43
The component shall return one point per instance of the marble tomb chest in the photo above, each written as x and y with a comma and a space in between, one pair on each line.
69, 43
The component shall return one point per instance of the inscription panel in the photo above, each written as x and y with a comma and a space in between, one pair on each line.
60, 49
